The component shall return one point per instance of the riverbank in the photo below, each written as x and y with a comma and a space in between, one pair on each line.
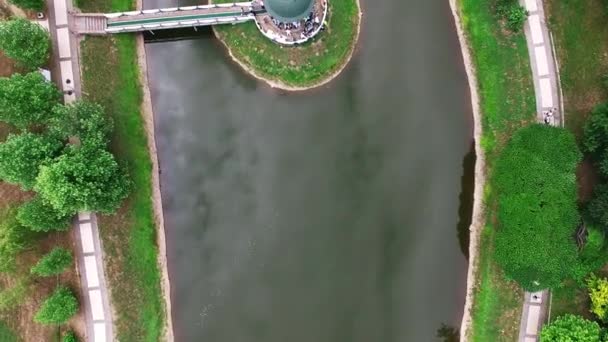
499, 72
304, 67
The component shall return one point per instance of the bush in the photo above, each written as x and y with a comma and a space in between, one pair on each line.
70, 336
571, 328
14, 238
537, 210
22, 155
27, 99
42, 217
25, 42
36, 5
58, 308
84, 120
516, 17
598, 293
595, 139
83, 179
53, 263
593, 255
597, 208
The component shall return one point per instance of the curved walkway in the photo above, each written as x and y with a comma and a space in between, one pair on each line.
88, 252
545, 72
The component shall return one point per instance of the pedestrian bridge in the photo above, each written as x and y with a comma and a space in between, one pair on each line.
165, 18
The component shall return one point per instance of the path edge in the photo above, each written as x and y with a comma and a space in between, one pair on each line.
147, 114
478, 216
277, 84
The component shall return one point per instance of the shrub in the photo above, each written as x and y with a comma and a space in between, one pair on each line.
58, 308
516, 17
598, 293
25, 42
14, 238
595, 139
571, 328
84, 120
22, 155
27, 99
70, 336
597, 208
593, 255
55, 262
537, 209
42, 217
83, 179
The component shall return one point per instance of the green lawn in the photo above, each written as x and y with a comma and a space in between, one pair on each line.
303, 65
582, 50
507, 103
110, 77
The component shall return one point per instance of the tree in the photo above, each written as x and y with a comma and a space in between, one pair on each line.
595, 139
55, 262
537, 208
83, 179
23, 154
36, 5
27, 99
84, 120
58, 308
42, 217
597, 209
25, 42
598, 293
571, 328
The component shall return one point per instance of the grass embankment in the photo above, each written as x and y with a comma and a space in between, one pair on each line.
299, 66
507, 102
110, 77
582, 51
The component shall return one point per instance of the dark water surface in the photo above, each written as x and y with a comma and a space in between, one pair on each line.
325, 216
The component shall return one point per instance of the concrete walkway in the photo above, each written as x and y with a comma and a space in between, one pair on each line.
548, 98
66, 73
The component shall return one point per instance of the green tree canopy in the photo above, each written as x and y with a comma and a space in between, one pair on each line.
23, 154
36, 5
27, 99
25, 42
571, 328
83, 179
55, 262
537, 210
42, 217
84, 120
58, 308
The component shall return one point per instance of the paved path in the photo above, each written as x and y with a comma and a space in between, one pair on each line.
548, 98
65, 71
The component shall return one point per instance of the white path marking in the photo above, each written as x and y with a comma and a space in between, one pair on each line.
63, 39
84, 216
61, 13
535, 29
533, 317
67, 78
531, 5
546, 93
99, 330
86, 236
542, 65
96, 305
90, 267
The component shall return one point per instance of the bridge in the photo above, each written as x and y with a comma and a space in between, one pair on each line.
166, 18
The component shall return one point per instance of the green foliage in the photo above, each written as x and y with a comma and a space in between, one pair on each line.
516, 18
84, 120
593, 255
55, 262
571, 328
42, 217
597, 209
70, 336
14, 238
83, 179
595, 139
6, 334
598, 293
36, 5
27, 99
58, 308
25, 42
537, 209
22, 155
15, 295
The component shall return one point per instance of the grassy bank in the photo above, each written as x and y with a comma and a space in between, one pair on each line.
110, 77
300, 66
507, 102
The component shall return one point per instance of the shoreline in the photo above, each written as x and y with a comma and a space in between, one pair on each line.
275, 84
147, 113
478, 217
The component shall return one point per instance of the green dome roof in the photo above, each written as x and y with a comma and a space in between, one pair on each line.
289, 10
